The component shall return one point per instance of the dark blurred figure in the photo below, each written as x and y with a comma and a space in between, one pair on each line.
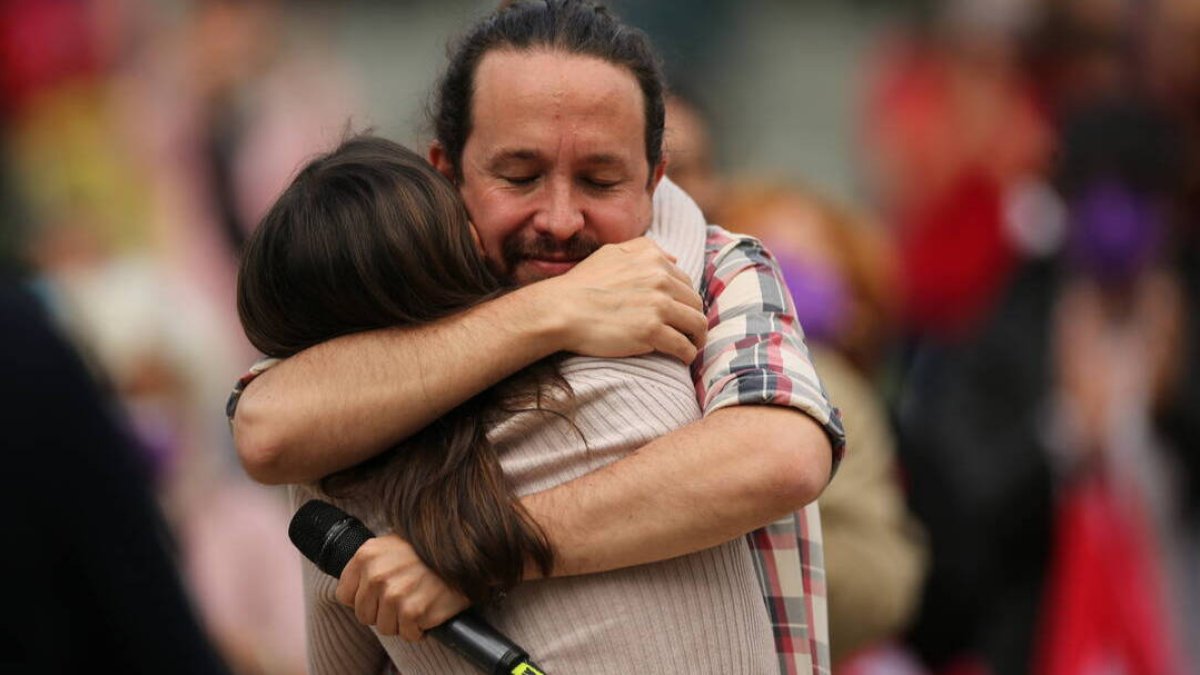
92, 581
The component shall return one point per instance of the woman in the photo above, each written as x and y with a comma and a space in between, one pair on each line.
371, 236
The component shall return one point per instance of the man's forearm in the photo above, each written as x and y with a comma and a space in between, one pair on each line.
344, 401
735, 471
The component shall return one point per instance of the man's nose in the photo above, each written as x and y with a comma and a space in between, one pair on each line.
560, 214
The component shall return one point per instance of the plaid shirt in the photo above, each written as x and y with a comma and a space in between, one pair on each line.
755, 354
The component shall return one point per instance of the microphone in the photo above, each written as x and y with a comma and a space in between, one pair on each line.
329, 537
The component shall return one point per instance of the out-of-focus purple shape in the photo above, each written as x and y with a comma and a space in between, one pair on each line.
820, 296
1114, 232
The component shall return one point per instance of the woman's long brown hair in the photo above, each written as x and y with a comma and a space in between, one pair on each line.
371, 236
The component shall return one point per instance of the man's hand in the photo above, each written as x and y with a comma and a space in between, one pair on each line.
390, 588
625, 300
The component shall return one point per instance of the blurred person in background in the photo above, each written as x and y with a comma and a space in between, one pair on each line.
982, 415
1036, 449
838, 272
1122, 585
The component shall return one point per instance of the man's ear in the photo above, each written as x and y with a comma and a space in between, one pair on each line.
656, 176
475, 234
440, 160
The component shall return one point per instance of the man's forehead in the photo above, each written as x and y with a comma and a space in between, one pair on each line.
551, 82
546, 67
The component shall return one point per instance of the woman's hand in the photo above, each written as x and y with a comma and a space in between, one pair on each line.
391, 589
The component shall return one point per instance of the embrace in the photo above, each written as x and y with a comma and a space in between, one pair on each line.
571, 402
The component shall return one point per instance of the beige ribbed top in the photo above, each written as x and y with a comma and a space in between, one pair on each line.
701, 613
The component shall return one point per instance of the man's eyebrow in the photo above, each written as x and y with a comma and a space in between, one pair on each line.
506, 155
604, 160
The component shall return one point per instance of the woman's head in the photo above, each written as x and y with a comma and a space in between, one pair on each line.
366, 236
370, 236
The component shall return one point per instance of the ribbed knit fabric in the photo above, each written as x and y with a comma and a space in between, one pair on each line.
701, 613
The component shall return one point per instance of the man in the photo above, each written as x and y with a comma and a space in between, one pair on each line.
550, 122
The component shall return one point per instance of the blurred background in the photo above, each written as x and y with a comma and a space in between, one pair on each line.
988, 212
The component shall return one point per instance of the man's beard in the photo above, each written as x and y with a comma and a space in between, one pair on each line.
518, 249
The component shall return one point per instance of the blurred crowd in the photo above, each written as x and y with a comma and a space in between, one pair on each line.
141, 142
1005, 311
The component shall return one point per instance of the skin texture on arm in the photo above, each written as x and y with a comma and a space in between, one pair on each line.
346, 400
698, 487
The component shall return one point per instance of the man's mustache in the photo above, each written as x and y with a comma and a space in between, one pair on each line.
546, 247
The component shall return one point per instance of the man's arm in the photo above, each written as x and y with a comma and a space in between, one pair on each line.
698, 487
767, 445
346, 400
728, 474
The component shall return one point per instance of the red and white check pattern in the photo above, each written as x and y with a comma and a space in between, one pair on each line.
756, 354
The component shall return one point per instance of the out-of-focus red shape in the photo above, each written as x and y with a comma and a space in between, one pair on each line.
1104, 609
948, 131
955, 255
43, 43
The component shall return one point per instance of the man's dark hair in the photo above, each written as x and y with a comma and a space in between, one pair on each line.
569, 26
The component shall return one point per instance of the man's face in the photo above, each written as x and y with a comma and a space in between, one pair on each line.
555, 164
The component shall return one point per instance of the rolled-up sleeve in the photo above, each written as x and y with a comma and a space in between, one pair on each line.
755, 353
236, 395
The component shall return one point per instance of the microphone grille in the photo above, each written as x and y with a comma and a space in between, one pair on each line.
327, 535
312, 524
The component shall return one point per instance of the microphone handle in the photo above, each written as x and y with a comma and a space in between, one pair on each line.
332, 545
476, 641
